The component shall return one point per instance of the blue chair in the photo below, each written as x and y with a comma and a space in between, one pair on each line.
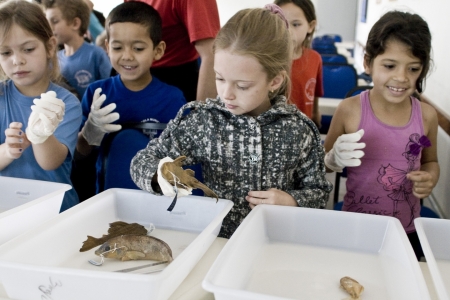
338, 79
334, 58
324, 45
336, 37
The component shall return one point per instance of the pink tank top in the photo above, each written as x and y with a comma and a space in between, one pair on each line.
379, 186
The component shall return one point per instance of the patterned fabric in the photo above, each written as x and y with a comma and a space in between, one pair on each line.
280, 148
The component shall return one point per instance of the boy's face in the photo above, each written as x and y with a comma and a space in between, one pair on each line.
63, 30
132, 52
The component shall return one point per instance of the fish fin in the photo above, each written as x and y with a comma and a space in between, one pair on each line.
190, 172
133, 255
179, 160
90, 243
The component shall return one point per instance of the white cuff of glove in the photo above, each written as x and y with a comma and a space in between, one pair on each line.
346, 152
45, 117
166, 187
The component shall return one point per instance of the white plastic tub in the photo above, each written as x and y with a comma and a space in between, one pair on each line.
26, 203
300, 253
434, 235
46, 261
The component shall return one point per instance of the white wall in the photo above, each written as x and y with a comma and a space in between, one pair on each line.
336, 17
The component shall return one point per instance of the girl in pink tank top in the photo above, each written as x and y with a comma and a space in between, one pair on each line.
385, 137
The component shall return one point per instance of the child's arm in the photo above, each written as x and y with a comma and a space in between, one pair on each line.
316, 116
340, 144
15, 143
50, 154
426, 179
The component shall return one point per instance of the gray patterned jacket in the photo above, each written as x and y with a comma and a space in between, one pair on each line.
281, 148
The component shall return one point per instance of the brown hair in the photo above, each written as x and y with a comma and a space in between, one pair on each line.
310, 14
262, 34
30, 17
71, 9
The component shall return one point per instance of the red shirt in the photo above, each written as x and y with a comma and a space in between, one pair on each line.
306, 78
183, 23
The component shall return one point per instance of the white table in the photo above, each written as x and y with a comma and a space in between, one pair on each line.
327, 106
191, 287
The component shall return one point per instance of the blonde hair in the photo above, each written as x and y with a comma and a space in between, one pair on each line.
262, 34
30, 17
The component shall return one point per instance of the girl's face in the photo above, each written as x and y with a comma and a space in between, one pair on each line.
299, 26
394, 73
24, 59
242, 83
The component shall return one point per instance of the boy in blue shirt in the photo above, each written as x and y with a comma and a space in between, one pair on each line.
81, 63
133, 42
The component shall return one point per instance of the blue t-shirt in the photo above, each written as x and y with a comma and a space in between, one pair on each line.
88, 64
157, 103
15, 107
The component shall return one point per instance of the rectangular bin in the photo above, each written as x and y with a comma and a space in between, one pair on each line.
26, 203
281, 252
46, 262
434, 235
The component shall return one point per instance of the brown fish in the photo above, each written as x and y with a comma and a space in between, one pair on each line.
186, 177
135, 247
352, 287
115, 229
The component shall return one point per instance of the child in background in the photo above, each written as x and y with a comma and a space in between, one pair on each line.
306, 73
133, 43
28, 63
81, 63
253, 147
398, 165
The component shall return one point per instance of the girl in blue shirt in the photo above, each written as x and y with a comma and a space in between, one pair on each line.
37, 136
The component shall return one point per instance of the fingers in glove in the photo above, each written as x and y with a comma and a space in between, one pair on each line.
349, 148
97, 100
351, 137
104, 111
112, 127
40, 110
344, 155
51, 105
179, 160
107, 119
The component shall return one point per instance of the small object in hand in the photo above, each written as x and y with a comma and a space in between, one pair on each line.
352, 287
176, 175
115, 229
135, 247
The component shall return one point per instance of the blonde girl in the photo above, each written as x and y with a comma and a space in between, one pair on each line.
253, 147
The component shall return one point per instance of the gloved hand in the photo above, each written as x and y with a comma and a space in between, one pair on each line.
166, 179
45, 117
171, 173
99, 120
345, 152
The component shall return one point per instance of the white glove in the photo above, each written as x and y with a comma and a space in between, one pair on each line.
99, 120
345, 153
45, 117
167, 187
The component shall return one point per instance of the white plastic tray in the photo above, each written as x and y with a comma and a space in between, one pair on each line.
46, 261
26, 203
301, 253
434, 235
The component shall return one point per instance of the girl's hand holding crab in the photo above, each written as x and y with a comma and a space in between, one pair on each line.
16, 141
271, 196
